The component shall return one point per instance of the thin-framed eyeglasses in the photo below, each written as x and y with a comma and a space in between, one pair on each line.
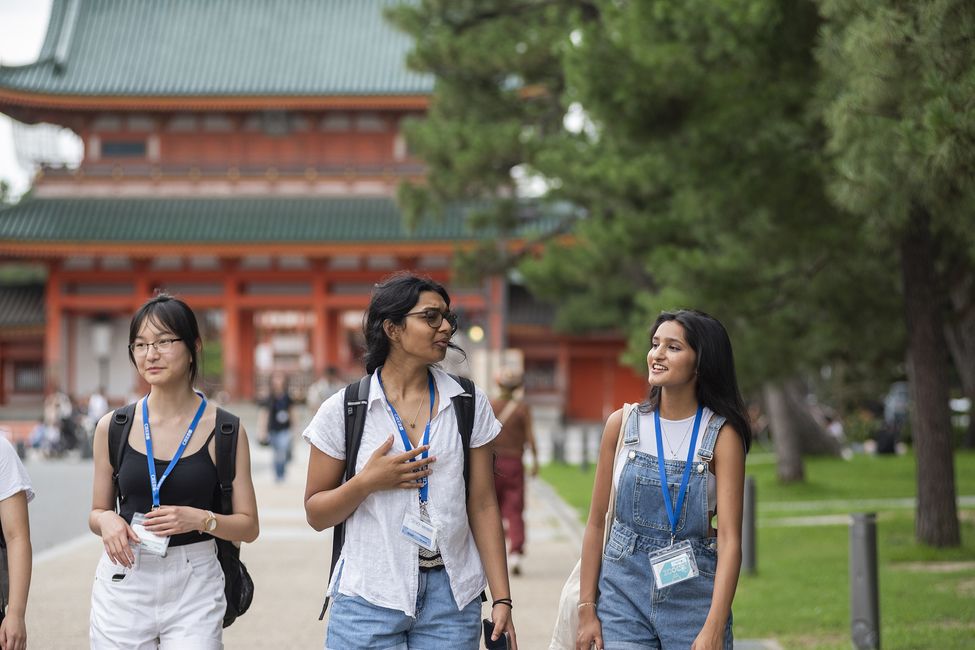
435, 317
162, 346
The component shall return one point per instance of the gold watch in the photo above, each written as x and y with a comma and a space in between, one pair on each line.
210, 523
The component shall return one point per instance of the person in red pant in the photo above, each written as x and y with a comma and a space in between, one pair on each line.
509, 472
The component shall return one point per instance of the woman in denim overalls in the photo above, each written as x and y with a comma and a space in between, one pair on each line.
622, 605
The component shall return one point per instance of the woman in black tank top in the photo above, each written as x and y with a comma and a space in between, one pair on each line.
159, 581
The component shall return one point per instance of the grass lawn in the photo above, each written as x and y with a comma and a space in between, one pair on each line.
800, 594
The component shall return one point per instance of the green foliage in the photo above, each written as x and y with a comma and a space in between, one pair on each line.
696, 162
897, 88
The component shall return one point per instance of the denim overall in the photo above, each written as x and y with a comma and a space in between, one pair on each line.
634, 613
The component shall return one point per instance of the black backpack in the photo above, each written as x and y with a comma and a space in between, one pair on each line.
238, 585
356, 401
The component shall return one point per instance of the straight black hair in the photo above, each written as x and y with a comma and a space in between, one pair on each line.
717, 383
173, 315
391, 300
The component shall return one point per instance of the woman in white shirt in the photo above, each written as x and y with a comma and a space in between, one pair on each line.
15, 493
416, 555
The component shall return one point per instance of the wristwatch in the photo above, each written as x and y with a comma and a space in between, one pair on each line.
210, 523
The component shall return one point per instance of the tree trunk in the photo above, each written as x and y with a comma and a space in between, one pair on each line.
960, 335
936, 521
785, 436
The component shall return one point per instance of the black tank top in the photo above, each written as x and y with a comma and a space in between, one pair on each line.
193, 482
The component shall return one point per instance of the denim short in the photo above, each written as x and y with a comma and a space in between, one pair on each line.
356, 624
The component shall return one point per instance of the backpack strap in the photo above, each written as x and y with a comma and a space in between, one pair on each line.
226, 428
356, 402
464, 408
118, 438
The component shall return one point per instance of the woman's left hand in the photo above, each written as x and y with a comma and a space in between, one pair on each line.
707, 641
501, 615
13, 633
173, 520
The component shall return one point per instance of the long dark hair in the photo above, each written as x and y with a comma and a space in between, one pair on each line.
173, 315
391, 300
717, 384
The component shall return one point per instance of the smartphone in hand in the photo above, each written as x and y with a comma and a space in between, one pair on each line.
501, 643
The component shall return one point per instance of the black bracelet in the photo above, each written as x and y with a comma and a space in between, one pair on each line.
503, 601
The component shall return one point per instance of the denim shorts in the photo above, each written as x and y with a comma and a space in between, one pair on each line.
356, 624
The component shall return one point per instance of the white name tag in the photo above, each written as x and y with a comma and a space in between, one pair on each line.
673, 564
150, 542
420, 532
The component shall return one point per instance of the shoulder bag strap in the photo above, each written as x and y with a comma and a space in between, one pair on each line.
628, 410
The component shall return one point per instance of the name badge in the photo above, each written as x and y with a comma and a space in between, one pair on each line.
420, 532
673, 564
150, 542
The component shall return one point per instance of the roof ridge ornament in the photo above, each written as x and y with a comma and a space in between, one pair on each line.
66, 33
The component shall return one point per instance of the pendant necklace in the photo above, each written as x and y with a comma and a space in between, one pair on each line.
667, 438
417, 414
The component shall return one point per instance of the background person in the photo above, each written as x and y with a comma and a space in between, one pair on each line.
694, 421
388, 590
509, 472
141, 599
276, 416
15, 493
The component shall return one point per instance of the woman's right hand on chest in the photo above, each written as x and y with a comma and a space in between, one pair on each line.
385, 471
116, 535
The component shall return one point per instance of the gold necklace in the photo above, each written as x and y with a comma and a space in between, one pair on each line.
417, 414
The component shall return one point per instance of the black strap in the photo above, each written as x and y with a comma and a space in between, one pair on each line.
118, 441
464, 408
226, 428
356, 401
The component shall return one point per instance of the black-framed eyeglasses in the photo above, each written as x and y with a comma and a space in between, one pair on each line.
162, 346
435, 317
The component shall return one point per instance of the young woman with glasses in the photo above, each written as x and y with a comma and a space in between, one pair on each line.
416, 554
158, 583
666, 577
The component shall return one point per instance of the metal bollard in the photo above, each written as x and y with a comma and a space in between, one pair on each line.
864, 600
748, 538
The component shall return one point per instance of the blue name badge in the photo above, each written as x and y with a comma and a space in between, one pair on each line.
420, 532
674, 564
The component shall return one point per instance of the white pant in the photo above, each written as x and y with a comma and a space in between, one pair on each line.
174, 602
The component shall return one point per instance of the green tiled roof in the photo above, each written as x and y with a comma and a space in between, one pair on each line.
221, 220
213, 48
22, 305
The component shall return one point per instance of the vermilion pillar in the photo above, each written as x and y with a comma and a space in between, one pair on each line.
53, 363
231, 329
320, 330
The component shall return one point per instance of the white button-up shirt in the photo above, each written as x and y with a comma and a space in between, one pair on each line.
378, 563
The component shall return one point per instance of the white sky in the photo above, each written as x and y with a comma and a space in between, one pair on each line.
22, 27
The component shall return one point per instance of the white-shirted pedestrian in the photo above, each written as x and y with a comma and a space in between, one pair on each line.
390, 590
15, 493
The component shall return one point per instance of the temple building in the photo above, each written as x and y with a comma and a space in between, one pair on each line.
244, 155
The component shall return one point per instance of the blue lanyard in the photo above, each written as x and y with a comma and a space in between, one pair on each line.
661, 463
156, 486
407, 445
